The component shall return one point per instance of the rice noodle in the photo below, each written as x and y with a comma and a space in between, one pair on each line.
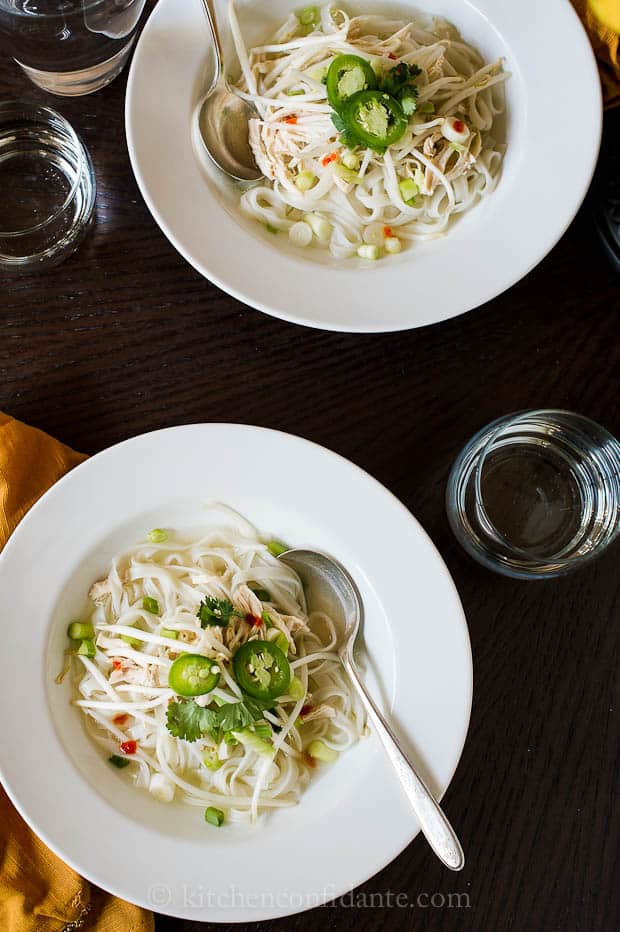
124, 692
283, 79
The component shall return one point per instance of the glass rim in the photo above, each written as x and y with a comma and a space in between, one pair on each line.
502, 424
85, 4
515, 562
34, 113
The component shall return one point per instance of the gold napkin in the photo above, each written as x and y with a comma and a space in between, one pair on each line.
602, 21
38, 893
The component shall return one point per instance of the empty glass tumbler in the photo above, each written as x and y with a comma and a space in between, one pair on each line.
69, 47
47, 187
537, 493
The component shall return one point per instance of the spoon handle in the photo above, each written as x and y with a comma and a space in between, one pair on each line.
438, 831
217, 44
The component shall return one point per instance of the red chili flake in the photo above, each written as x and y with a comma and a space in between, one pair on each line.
329, 158
291, 119
392, 56
117, 664
129, 747
120, 719
310, 761
387, 231
253, 620
305, 709
459, 126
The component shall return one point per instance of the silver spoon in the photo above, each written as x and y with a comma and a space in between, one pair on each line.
329, 588
222, 118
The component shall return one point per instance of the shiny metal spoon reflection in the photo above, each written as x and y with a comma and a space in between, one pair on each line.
329, 588
222, 118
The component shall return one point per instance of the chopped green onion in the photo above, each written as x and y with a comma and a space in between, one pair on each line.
169, 633
254, 742
276, 547
267, 620
230, 738
157, 535
408, 189
350, 160
347, 174
300, 234
211, 760
321, 228
309, 16
427, 107
150, 605
296, 689
262, 730
79, 630
393, 245
120, 762
271, 229
87, 648
214, 816
366, 251
136, 643
296, 93
282, 642
305, 181
320, 751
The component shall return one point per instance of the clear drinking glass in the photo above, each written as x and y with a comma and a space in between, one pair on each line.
69, 47
536, 494
47, 184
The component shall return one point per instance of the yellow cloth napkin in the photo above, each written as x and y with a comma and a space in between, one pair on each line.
38, 892
601, 19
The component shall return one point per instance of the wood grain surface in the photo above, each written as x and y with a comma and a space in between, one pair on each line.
125, 337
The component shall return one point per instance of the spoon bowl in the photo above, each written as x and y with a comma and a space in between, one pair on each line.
330, 588
222, 123
222, 118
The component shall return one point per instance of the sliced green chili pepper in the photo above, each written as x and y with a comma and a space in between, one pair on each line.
193, 675
262, 669
375, 118
347, 75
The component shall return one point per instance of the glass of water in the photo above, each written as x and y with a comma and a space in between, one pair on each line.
537, 493
69, 47
47, 184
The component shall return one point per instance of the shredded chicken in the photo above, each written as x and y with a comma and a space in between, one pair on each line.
100, 591
246, 601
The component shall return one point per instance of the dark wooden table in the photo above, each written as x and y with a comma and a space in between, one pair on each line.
125, 337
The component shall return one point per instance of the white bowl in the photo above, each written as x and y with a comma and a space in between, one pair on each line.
354, 817
553, 128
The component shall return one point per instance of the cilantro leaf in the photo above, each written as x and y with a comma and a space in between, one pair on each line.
347, 138
233, 716
338, 122
186, 719
399, 76
408, 99
215, 612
